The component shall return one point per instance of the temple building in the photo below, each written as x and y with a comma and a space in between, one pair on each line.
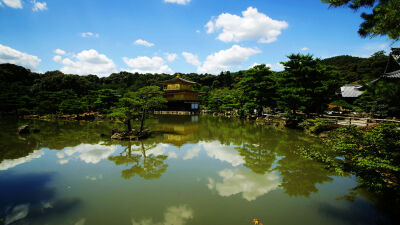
180, 95
392, 70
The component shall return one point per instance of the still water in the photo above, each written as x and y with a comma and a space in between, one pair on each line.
194, 170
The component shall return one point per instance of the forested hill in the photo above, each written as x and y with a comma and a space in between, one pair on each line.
26, 92
356, 69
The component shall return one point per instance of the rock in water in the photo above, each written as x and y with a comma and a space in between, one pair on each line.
117, 136
24, 129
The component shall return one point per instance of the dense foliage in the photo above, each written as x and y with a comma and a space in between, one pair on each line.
372, 153
307, 84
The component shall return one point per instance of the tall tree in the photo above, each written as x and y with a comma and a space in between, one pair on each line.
258, 86
306, 84
384, 19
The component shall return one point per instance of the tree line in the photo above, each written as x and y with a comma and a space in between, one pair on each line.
306, 84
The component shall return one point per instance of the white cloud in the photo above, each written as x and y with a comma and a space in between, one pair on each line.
143, 42
254, 64
225, 59
1, 4
10, 163
57, 58
305, 49
251, 185
89, 34
39, 6
198, 31
275, 67
171, 56
174, 215
144, 64
87, 62
253, 25
180, 2
222, 152
191, 58
9, 55
59, 51
13, 3
86, 152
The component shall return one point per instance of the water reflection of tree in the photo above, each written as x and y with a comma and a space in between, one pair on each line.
256, 157
147, 166
299, 176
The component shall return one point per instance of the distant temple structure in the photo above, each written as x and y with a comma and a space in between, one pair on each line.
180, 96
392, 70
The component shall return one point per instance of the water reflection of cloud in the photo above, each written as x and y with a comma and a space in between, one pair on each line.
88, 153
10, 163
192, 153
17, 213
159, 149
222, 152
251, 185
174, 215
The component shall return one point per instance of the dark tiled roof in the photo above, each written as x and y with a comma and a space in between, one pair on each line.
394, 74
351, 90
177, 79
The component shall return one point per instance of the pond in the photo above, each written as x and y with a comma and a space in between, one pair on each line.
193, 170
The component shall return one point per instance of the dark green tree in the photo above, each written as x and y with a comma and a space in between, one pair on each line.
306, 84
258, 87
136, 105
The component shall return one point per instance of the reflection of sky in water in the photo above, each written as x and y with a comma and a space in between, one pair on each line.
88, 153
10, 163
251, 185
174, 215
205, 182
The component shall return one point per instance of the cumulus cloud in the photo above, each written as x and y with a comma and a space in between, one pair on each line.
251, 185
144, 64
180, 2
252, 25
39, 6
13, 3
191, 58
143, 42
170, 56
86, 152
225, 59
10, 163
59, 51
174, 215
89, 34
87, 62
57, 58
276, 67
9, 55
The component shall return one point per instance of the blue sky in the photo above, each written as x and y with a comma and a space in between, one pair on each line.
100, 37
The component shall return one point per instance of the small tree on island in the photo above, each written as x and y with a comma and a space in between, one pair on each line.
136, 105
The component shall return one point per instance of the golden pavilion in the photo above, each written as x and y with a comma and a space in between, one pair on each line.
180, 95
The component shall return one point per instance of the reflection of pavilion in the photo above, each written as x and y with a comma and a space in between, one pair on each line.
177, 130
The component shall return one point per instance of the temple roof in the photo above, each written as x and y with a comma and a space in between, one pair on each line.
177, 79
393, 66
